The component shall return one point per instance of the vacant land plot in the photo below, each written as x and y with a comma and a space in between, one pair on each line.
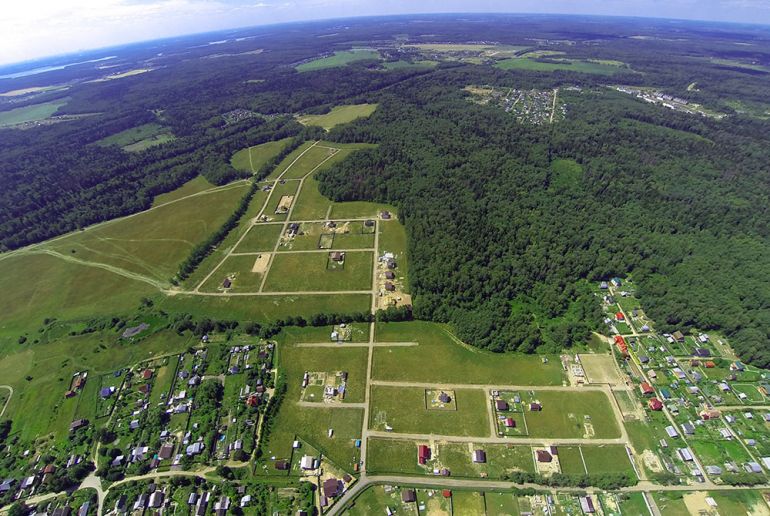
267, 308
289, 160
339, 115
252, 158
340, 58
572, 414
404, 410
502, 459
570, 460
152, 243
237, 269
297, 272
518, 63
607, 459
139, 138
452, 361
358, 209
311, 205
467, 503
30, 113
600, 369
501, 504
261, 237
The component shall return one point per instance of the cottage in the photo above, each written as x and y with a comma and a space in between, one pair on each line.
688, 428
444, 397
479, 456
535, 407
332, 487
603, 285
713, 470
78, 424
195, 449
166, 451
710, 364
646, 389
753, 467
226, 283
671, 431
222, 505
408, 496
587, 505
685, 454
147, 374
644, 359
510, 422
620, 317
707, 414
678, 336
423, 454
385, 215
501, 405
702, 352
390, 287
337, 256
7, 485
544, 456
61, 511
655, 404
156, 499
121, 505
308, 462
106, 392
390, 275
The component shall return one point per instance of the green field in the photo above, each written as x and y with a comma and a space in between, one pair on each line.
602, 459
308, 161
453, 362
358, 209
501, 504
467, 503
30, 113
564, 415
340, 58
261, 237
518, 63
252, 158
338, 115
152, 243
139, 138
401, 65
404, 409
194, 186
265, 308
570, 461
295, 272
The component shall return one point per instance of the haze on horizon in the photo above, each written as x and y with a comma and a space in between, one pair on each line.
42, 28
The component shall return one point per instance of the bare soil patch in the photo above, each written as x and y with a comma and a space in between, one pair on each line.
260, 264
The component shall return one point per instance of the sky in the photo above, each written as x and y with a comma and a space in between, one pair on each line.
38, 28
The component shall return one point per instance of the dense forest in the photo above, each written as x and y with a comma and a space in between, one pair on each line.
509, 223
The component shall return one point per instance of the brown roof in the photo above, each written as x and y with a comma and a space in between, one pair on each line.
544, 456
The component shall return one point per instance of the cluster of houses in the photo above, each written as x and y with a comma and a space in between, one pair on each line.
157, 499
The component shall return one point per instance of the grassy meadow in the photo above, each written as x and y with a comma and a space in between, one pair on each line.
295, 272
338, 115
340, 58
252, 158
30, 113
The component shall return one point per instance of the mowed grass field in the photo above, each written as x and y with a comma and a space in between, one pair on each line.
404, 409
261, 237
194, 186
252, 158
309, 160
453, 362
340, 58
263, 308
338, 115
152, 243
30, 113
518, 63
564, 415
39, 286
297, 272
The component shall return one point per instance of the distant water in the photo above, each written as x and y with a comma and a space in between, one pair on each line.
44, 69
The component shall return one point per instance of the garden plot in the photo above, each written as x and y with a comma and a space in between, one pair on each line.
509, 414
323, 387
